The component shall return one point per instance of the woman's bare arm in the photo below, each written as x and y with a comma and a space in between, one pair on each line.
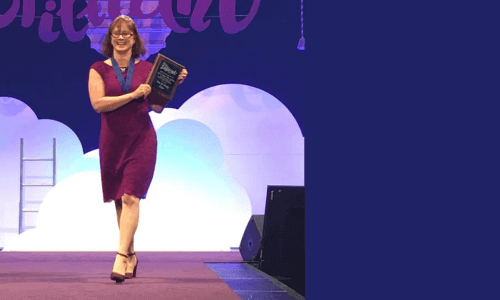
100, 103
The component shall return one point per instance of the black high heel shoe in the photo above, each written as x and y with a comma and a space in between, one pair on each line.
118, 277
131, 275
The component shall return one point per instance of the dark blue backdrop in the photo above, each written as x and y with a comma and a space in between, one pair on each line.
52, 77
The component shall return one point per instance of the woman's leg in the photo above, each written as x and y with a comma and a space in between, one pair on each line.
119, 205
128, 219
132, 260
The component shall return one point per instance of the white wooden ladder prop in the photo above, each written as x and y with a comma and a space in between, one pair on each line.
23, 210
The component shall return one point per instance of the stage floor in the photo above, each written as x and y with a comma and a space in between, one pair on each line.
160, 275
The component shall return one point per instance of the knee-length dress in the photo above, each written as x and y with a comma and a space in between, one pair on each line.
127, 142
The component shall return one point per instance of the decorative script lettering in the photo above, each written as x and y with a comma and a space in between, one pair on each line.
166, 68
227, 14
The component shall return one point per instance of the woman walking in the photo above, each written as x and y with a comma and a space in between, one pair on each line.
127, 142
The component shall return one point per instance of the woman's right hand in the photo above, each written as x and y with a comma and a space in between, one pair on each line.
142, 91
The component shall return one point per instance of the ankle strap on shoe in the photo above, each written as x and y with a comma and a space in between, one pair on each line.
122, 254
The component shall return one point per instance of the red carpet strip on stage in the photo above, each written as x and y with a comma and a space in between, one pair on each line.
85, 275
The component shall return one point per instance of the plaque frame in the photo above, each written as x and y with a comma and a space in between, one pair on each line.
157, 96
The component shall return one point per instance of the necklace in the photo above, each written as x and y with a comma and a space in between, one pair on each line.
123, 69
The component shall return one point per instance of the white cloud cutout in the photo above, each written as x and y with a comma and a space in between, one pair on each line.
216, 155
261, 140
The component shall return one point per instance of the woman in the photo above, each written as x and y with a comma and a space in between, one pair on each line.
127, 143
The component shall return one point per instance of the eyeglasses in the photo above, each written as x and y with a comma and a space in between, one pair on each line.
125, 35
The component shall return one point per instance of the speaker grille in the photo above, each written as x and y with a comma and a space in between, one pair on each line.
251, 242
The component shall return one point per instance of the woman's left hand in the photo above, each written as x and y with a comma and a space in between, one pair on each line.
182, 75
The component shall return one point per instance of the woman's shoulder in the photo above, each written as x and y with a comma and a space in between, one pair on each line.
98, 65
146, 63
101, 67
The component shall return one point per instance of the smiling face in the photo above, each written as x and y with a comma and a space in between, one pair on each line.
122, 37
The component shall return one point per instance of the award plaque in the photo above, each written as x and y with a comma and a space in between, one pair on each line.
163, 80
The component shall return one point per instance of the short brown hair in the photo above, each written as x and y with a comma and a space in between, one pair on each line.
137, 50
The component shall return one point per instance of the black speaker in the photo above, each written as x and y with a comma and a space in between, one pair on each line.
251, 240
283, 239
